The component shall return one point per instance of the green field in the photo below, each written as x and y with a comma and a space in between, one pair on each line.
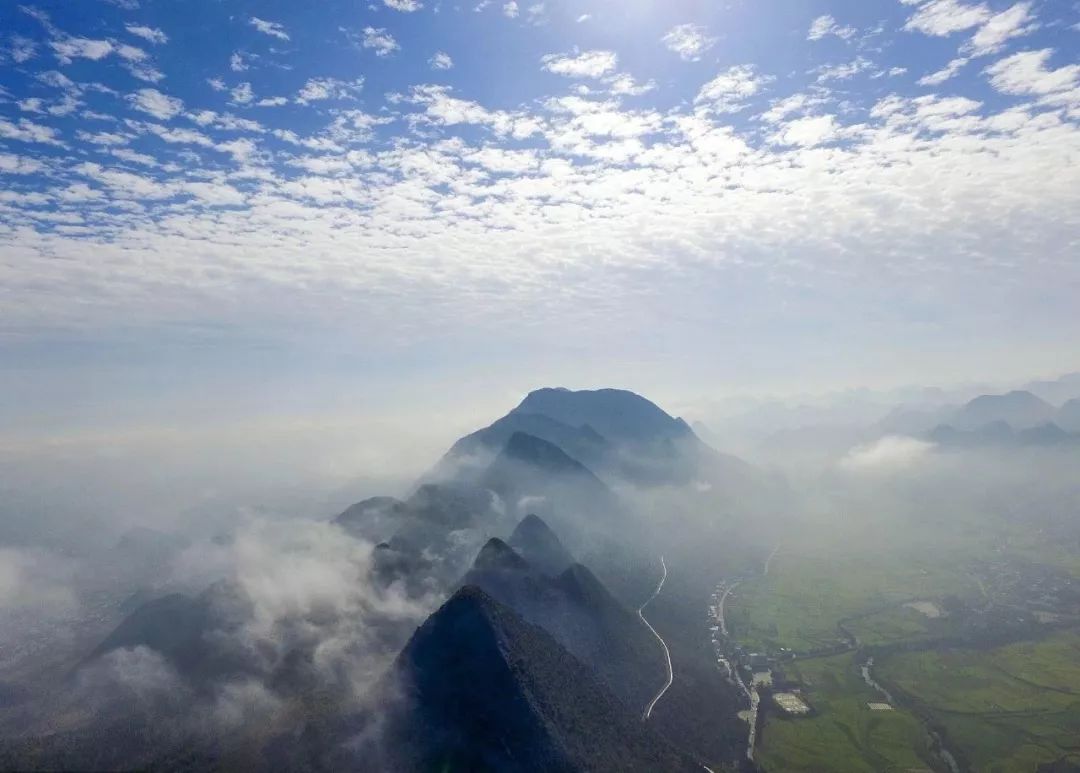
896, 623
800, 603
842, 734
1002, 710
1006, 709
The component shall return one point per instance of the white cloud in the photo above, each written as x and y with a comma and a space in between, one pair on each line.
586, 64
625, 85
942, 18
272, 102
844, 71
217, 84
69, 49
242, 94
511, 10
318, 89
823, 26
689, 41
407, 6
103, 138
890, 454
379, 40
807, 132
1027, 73
151, 34
145, 72
130, 53
161, 106
1000, 28
443, 186
22, 49
12, 164
271, 28
441, 61
28, 131
727, 90
782, 108
125, 154
946, 73
237, 63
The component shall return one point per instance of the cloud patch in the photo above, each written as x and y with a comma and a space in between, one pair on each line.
890, 454
584, 64
271, 28
689, 41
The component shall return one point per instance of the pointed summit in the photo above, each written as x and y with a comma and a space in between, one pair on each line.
497, 555
582, 443
539, 545
487, 691
530, 449
586, 590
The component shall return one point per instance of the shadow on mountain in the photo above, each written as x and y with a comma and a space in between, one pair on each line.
483, 690
582, 615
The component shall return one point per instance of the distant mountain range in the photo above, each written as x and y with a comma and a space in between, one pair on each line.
534, 663
1001, 434
1013, 418
1019, 409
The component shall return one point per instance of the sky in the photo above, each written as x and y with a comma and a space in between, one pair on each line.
216, 208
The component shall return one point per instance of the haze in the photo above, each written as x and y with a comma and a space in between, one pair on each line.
354, 358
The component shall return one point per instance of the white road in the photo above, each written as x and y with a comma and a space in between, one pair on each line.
667, 654
768, 560
720, 617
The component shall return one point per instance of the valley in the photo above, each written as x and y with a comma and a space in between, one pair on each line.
911, 658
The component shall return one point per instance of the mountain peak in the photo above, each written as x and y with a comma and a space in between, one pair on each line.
613, 413
496, 554
540, 546
585, 588
540, 453
1018, 408
489, 691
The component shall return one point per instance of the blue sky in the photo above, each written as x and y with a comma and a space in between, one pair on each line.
210, 197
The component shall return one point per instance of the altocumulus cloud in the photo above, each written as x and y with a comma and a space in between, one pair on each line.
400, 174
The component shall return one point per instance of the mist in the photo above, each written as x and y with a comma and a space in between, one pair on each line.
231, 585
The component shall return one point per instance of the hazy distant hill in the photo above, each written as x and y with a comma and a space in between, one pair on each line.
179, 628
486, 691
537, 543
1057, 391
531, 474
1001, 434
1018, 409
581, 442
1068, 417
907, 420
375, 519
528, 464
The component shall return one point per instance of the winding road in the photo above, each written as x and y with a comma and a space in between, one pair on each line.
768, 560
667, 654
